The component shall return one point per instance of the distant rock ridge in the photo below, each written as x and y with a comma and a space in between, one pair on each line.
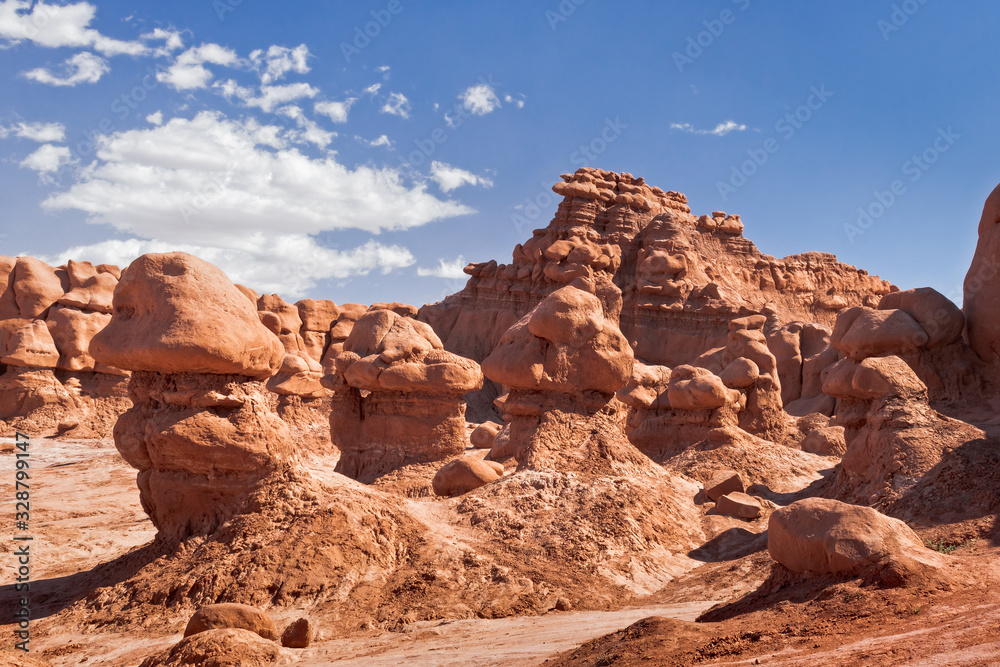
673, 280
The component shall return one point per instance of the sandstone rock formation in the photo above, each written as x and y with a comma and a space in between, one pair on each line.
982, 288
682, 278
218, 648
397, 396
893, 437
200, 431
298, 634
50, 382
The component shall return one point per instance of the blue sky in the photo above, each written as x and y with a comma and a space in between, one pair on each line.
306, 157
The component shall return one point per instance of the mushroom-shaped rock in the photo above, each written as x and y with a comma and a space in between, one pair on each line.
466, 474
218, 648
694, 388
200, 429
175, 313
824, 536
982, 285
585, 351
412, 408
231, 615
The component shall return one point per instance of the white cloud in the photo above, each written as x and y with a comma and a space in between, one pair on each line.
84, 67
212, 182
510, 99
448, 178
171, 41
286, 264
279, 60
40, 132
373, 89
309, 131
270, 97
382, 140
382, 68
480, 99
155, 118
720, 130
444, 269
335, 111
189, 71
56, 26
397, 105
48, 159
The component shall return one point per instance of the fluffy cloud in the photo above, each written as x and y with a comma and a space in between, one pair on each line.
56, 26
335, 111
382, 140
48, 159
480, 100
397, 105
286, 264
451, 270
84, 67
40, 132
270, 97
189, 72
212, 182
448, 178
279, 60
720, 130
155, 118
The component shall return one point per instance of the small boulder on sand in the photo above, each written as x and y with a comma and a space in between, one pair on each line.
298, 634
738, 505
226, 647
231, 615
466, 474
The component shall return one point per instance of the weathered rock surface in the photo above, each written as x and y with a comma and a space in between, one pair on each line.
233, 616
161, 324
466, 474
398, 397
201, 440
824, 536
218, 648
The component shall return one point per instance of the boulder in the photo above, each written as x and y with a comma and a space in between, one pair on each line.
37, 286
464, 475
723, 482
823, 536
484, 435
828, 441
864, 332
937, 316
233, 616
738, 505
298, 634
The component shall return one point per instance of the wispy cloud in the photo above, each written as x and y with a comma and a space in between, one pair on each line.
84, 67
480, 99
397, 105
451, 270
720, 130
448, 177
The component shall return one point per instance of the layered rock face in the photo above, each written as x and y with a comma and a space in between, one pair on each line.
682, 279
398, 396
200, 432
48, 317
